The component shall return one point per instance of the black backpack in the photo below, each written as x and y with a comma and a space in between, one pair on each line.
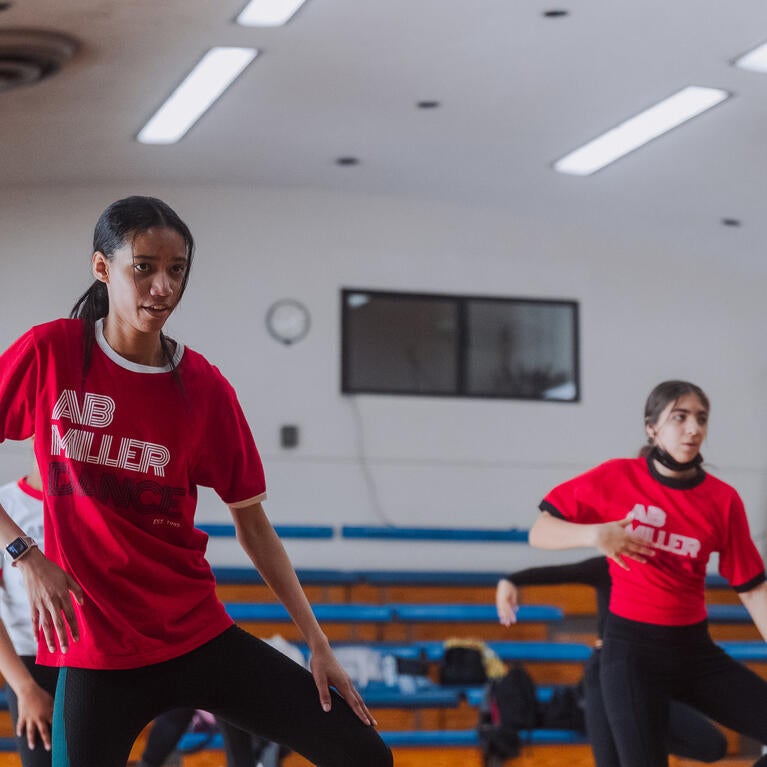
462, 665
514, 698
565, 709
511, 705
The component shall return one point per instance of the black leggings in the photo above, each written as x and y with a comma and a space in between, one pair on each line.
246, 750
644, 666
46, 677
690, 735
242, 749
166, 732
98, 714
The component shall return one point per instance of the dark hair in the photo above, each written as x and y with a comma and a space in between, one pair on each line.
118, 225
660, 398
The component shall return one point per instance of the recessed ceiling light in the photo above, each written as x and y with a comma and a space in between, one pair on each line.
268, 13
347, 161
638, 130
556, 14
755, 60
428, 104
213, 74
731, 221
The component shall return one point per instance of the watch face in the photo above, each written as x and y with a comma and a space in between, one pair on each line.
287, 320
16, 548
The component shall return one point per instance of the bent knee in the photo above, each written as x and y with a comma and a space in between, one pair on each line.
385, 758
373, 753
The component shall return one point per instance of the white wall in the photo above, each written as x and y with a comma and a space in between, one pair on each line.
649, 311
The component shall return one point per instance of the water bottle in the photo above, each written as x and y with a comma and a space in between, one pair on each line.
389, 670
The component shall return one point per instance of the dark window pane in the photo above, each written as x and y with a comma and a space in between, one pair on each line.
399, 344
521, 349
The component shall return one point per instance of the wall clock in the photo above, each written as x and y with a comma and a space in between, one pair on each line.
287, 321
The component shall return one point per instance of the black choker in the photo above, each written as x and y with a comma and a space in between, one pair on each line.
665, 459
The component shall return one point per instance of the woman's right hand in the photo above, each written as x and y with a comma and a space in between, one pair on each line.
506, 602
35, 715
327, 672
48, 588
616, 540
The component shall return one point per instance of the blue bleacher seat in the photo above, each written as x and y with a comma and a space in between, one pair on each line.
365, 613
414, 738
216, 530
430, 738
331, 613
431, 696
510, 650
331, 576
746, 651
318, 577
447, 738
514, 535
460, 613
565, 652
728, 614
192, 741
429, 578
432, 650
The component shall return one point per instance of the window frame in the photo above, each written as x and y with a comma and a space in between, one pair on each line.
462, 303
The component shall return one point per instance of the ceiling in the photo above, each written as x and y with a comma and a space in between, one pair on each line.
517, 90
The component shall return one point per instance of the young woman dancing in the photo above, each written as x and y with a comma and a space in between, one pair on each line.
658, 518
128, 424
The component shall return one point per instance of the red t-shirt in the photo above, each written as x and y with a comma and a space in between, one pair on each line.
121, 455
687, 520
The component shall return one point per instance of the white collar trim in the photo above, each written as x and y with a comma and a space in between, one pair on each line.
127, 364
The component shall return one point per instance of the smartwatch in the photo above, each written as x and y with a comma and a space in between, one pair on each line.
20, 547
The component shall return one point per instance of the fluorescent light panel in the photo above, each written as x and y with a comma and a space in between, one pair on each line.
644, 127
214, 73
755, 60
268, 13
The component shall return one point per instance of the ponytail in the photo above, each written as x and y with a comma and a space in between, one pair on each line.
93, 304
90, 307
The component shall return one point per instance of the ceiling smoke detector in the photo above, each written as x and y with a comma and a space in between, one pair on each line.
28, 56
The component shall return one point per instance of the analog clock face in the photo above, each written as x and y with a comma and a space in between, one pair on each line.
287, 320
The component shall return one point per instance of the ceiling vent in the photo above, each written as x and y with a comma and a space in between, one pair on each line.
30, 55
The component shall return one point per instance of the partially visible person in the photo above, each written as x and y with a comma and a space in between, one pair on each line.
241, 748
245, 750
690, 735
163, 736
29, 686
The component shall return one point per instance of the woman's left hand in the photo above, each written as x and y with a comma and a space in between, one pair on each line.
327, 671
506, 602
